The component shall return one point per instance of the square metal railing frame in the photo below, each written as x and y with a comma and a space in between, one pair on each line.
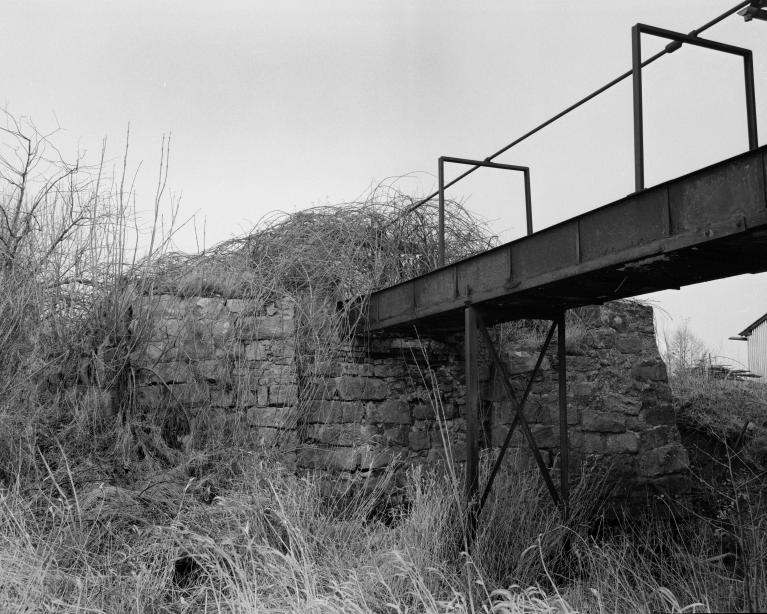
476, 163
679, 38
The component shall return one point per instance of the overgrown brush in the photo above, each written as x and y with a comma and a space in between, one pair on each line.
272, 541
98, 514
723, 426
326, 259
342, 251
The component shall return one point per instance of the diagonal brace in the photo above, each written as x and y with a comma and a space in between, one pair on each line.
519, 417
519, 408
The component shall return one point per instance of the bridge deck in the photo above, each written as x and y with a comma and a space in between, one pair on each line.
706, 225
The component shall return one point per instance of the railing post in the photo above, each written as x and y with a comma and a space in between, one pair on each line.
528, 203
636, 56
748, 69
441, 180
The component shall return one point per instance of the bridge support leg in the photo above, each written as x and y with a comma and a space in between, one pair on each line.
472, 421
561, 498
564, 440
474, 323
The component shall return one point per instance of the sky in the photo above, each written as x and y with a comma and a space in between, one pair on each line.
286, 105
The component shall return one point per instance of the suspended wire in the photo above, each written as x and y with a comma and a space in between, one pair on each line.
670, 48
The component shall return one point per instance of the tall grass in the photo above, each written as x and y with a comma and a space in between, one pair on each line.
99, 514
271, 541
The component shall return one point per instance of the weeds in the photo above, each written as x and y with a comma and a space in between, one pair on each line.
98, 514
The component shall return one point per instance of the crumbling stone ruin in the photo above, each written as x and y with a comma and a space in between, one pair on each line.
380, 400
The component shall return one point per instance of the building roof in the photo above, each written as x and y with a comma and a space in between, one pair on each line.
747, 331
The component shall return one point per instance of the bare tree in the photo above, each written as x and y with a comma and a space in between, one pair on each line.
44, 200
684, 350
69, 241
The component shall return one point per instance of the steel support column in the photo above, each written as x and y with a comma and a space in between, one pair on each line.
472, 420
564, 440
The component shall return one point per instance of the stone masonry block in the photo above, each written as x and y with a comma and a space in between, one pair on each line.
658, 436
337, 434
373, 457
617, 404
354, 411
258, 350
321, 388
325, 412
518, 362
211, 370
352, 388
650, 370
171, 328
585, 391
248, 396
172, 372
593, 443
335, 412
267, 416
545, 435
629, 343
198, 345
603, 422
418, 440
393, 411
238, 305
153, 352
283, 394
265, 327
499, 433
151, 397
209, 308
191, 393
397, 435
661, 413
164, 306
220, 330
338, 459
422, 411
671, 458
278, 374
621, 443
355, 368
223, 398
396, 369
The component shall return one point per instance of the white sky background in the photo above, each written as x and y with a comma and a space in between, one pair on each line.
284, 105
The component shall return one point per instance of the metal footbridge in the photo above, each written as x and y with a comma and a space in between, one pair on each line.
706, 225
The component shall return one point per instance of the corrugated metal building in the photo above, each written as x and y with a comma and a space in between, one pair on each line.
756, 336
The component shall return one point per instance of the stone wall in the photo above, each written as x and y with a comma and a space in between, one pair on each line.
384, 399
234, 357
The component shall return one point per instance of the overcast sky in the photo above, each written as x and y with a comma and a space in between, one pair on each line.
284, 105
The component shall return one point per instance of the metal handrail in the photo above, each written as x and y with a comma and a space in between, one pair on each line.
678, 40
477, 163
678, 37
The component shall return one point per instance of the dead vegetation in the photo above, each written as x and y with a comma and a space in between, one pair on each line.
98, 514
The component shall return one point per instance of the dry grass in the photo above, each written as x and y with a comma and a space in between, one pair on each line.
98, 514
272, 542
727, 408
723, 425
342, 251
